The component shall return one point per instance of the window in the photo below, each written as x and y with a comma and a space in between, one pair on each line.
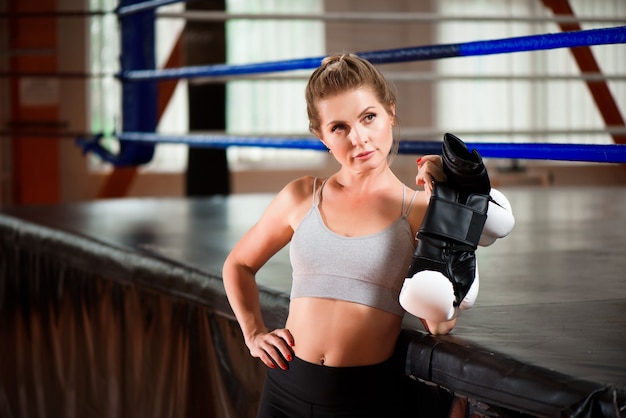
273, 107
534, 104
104, 89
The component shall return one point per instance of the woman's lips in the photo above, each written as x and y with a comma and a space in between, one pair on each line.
364, 155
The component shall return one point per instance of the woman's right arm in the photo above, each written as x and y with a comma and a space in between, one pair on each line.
271, 233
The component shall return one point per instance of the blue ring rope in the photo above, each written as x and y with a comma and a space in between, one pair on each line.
610, 153
569, 152
603, 36
126, 10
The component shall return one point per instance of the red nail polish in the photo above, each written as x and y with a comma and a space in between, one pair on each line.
418, 160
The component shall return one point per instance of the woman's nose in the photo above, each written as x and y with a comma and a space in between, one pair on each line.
358, 137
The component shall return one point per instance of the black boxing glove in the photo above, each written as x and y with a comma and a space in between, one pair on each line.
443, 276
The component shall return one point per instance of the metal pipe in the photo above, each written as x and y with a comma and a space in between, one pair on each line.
355, 17
419, 133
68, 74
28, 51
386, 17
407, 133
392, 76
53, 14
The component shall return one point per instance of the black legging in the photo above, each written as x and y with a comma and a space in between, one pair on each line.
311, 390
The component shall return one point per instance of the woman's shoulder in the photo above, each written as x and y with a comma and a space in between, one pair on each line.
297, 195
296, 199
301, 188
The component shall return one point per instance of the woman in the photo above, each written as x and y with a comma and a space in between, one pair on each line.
352, 240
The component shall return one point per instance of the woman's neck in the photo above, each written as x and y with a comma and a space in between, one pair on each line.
355, 181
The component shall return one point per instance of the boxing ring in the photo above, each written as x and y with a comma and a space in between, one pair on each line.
116, 307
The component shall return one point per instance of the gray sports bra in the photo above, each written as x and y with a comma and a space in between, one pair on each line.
367, 269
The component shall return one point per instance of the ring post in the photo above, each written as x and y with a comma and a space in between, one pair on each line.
139, 97
139, 109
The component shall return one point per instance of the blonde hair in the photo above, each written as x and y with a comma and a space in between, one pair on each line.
343, 72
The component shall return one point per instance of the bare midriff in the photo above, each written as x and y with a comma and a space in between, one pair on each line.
341, 334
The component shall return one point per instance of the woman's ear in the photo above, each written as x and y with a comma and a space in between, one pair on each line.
315, 132
317, 135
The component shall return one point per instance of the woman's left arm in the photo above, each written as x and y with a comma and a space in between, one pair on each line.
429, 170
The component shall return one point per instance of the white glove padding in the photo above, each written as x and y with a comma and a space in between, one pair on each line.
429, 295
500, 219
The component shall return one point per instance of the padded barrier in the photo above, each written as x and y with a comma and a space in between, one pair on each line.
90, 328
498, 380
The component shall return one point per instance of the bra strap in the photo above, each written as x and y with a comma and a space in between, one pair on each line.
316, 198
314, 190
408, 209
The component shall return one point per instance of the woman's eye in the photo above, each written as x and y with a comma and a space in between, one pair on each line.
370, 117
337, 128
